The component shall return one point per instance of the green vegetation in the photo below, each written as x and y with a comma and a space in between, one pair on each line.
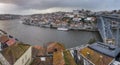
69, 60
68, 19
91, 41
94, 22
65, 18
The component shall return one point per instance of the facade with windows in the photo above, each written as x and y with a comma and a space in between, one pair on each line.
26, 58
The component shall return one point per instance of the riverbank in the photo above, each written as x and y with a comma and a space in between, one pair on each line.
68, 29
39, 36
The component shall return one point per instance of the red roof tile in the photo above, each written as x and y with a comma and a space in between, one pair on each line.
4, 38
10, 42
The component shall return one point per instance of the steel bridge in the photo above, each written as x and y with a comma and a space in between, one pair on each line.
105, 29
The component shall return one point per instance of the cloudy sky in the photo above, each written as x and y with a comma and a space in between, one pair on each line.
46, 6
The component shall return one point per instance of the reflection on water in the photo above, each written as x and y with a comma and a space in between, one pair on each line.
39, 36
2, 26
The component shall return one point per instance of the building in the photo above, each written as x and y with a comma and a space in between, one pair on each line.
100, 54
76, 12
17, 54
13, 52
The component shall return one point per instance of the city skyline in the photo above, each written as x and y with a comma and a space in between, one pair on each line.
48, 6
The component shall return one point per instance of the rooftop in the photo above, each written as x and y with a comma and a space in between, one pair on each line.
95, 57
14, 52
11, 42
58, 58
55, 45
109, 50
69, 60
4, 38
38, 61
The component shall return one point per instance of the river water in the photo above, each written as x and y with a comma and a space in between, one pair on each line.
39, 36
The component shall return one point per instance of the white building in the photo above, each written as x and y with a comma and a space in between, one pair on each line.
76, 11
76, 19
70, 15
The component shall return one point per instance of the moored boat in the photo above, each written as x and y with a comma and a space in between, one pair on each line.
62, 29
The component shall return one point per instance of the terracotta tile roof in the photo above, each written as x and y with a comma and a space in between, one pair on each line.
55, 45
69, 60
13, 53
4, 38
37, 61
95, 57
37, 51
58, 58
10, 42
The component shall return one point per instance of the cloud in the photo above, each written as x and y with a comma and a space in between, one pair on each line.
36, 6
7, 8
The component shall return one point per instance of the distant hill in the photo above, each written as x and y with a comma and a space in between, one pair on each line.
9, 16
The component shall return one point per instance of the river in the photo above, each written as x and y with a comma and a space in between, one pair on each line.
39, 36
